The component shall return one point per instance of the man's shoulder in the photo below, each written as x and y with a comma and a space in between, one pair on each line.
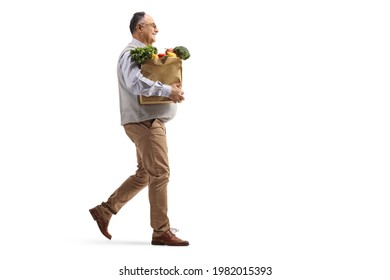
126, 50
130, 46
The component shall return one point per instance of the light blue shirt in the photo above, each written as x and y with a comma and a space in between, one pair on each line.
135, 81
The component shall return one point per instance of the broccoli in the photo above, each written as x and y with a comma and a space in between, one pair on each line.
182, 52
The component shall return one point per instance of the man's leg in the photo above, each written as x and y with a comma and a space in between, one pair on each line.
150, 140
129, 188
152, 154
152, 146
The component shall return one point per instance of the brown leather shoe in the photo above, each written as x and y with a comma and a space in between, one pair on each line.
101, 221
168, 238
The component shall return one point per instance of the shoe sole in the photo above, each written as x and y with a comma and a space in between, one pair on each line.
162, 243
157, 243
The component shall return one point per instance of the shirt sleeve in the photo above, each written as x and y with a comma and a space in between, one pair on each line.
139, 84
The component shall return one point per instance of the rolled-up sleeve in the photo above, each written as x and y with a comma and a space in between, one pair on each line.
139, 84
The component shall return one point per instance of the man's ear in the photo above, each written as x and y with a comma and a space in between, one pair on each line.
139, 28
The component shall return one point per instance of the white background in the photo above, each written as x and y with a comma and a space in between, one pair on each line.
279, 155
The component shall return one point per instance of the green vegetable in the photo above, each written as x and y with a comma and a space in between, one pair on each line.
141, 54
182, 52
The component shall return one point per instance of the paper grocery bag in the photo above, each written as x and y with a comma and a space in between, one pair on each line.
167, 70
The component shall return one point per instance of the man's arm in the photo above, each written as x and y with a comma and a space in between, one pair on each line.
139, 84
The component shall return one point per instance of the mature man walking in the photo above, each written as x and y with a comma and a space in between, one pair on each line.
144, 125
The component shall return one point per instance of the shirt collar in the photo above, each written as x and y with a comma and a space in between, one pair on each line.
137, 43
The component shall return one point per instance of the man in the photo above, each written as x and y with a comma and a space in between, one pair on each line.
144, 125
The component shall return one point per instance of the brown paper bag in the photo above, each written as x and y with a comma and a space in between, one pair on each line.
167, 70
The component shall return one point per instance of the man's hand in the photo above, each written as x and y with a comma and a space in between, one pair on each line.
176, 93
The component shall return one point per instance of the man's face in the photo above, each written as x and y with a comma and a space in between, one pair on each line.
148, 30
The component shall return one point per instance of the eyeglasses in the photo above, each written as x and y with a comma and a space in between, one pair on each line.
149, 24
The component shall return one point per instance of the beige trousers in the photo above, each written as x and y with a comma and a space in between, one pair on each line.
149, 138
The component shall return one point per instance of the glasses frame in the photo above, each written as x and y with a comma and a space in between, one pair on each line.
149, 24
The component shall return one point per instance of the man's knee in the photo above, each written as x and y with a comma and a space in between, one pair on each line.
160, 174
